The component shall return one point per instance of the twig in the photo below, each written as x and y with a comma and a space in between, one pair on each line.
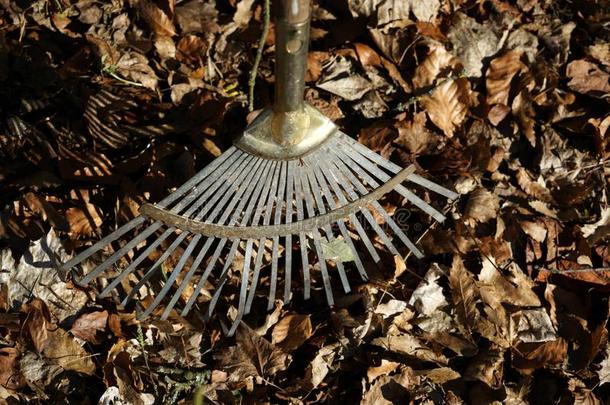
259, 55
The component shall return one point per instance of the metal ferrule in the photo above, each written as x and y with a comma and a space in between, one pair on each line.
291, 128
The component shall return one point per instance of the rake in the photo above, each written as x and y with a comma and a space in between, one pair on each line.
292, 179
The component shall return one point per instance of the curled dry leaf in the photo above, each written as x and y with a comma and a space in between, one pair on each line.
500, 75
291, 332
36, 323
603, 373
84, 222
156, 18
428, 296
386, 367
388, 390
437, 60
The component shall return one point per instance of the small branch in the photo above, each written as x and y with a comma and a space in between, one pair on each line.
259, 55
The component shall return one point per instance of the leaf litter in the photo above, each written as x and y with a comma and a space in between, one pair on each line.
109, 105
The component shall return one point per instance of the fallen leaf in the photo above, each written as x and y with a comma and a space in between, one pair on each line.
448, 104
472, 42
411, 346
482, 205
487, 367
252, 356
37, 322
428, 295
386, 367
87, 326
10, 376
603, 373
500, 75
291, 332
156, 18
64, 351
588, 78
465, 295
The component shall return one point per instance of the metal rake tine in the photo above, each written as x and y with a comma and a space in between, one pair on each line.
298, 196
288, 218
236, 198
362, 189
119, 253
261, 242
316, 240
346, 236
223, 278
225, 192
188, 185
223, 188
113, 258
173, 276
132, 266
103, 242
276, 239
408, 194
253, 197
347, 185
198, 260
152, 270
414, 178
243, 292
333, 180
315, 188
210, 183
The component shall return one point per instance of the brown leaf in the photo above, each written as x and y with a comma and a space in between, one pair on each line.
291, 332
531, 356
500, 75
386, 367
191, 48
388, 390
36, 323
410, 346
414, 136
10, 377
156, 18
87, 326
367, 56
588, 78
437, 60
448, 104
84, 222
253, 356
64, 351
465, 295
482, 205
487, 367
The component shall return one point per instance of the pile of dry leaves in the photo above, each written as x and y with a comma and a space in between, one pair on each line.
106, 105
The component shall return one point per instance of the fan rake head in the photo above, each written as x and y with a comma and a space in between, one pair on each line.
241, 202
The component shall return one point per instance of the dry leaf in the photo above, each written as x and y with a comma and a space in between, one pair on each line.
465, 295
603, 373
437, 60
252, 356
588, 78
386, 367
448, 104
428, 296
84, 222
10, 376
291, 332
87, 326
409, 345
156, 18
482, 205
500, 75
37, 275
37, 323
472, 42
487, 367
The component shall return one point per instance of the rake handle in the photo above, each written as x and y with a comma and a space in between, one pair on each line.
292, 42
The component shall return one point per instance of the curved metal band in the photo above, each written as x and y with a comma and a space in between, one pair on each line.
267, 231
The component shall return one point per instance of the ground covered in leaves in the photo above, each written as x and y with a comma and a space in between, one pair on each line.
106, 105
